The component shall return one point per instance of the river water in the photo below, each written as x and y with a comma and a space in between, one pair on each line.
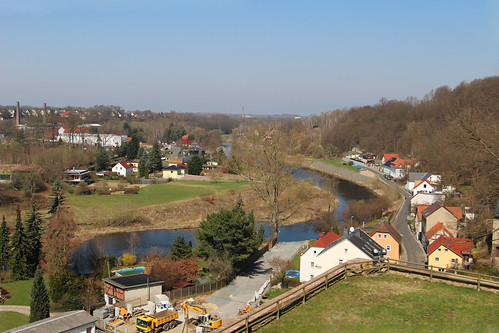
142, 242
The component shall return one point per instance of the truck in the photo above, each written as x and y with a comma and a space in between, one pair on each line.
205, 320
161, 321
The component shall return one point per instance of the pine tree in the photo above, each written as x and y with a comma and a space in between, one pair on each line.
195, 165
180, 249
102, 160
4, 245
155, 158
143, 164
56, 197
34, 230
40, 302
132, 148
18, 250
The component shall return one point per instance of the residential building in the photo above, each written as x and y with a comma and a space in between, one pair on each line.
438, 230
450, 253
429, 216
75, 176
122, 169
331, 250
84, 135
386, 236
174, 172
136, 289
427, 199
69, 322
423, 186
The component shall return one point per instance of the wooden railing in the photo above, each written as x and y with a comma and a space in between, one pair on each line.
278, 306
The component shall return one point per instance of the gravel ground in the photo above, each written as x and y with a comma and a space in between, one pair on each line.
236, 295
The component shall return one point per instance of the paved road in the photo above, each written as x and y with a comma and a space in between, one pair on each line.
23, 309
237, 294
412, 249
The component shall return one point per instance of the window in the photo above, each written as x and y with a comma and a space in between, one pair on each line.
312, 264
379, 236
437, 259
446, 250
439, 249
346, 250
315, 251
440, 269
388, 247
454, 260
340, 261
311, 276
385, 236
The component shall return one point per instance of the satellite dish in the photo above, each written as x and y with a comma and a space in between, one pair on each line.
352, 229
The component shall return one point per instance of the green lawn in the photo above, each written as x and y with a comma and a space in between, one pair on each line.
392, 303
19, 291
154, 194
340, 164
10, 320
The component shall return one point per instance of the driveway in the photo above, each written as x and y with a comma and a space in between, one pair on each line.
242, 289
22, 309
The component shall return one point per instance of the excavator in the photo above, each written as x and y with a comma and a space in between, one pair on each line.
205, 320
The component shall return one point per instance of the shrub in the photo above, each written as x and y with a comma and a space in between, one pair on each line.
131, 190
129, 259
83, 189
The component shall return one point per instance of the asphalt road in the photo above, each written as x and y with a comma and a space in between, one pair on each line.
412, 250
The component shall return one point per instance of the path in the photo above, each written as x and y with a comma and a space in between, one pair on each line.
242, 289
23, 309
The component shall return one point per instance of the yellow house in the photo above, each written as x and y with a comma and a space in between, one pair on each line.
450, 253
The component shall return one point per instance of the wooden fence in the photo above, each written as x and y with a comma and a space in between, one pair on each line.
275, 308
194, 290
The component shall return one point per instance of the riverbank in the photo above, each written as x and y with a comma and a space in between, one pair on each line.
188, 214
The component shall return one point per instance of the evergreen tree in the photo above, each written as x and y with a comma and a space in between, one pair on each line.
180, 249
102, 160
40, 302
56, 198
155, 158
132, 148
229, 232
140, 153
19, 260
143, 164
33, 235
195, 165
4, 245
57, 241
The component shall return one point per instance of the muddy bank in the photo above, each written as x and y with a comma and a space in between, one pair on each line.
188, 214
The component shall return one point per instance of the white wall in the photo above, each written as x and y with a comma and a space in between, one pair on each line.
427, 198
324, 260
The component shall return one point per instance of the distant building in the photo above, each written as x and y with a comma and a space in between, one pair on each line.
75, 176
83, 135
122, 169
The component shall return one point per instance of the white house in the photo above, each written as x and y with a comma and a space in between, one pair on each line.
78, 321
122, 169
83, 135
421, 198
331, 250
423, 186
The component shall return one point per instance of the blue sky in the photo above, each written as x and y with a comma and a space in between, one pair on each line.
270, 57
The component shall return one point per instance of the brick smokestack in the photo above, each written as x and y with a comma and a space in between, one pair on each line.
44, 113
18, 117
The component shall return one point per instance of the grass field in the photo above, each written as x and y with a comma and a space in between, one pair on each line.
154, 194
392, 303
10, 320
19, 291
340, 164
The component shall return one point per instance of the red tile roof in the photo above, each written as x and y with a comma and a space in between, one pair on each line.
419, 182
421, 209
326, 239
436, 228
456, 245
388, 156
387, 228
456, 211
125, 165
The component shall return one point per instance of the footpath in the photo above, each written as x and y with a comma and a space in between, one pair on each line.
242, 289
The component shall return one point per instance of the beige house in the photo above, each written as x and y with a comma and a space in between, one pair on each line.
136, 289
174, 172
437, 212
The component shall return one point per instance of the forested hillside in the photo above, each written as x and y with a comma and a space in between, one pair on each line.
453, 131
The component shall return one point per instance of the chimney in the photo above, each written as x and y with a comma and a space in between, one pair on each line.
44, 112
18, 118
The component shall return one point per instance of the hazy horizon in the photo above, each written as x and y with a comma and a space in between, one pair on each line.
271, 57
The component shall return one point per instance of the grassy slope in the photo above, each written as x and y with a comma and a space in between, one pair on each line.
155, 194
392, 303
10, 320
340, 164
19, 291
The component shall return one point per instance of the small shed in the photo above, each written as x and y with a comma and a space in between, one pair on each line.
136, 289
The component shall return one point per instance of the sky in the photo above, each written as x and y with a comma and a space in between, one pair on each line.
268, 56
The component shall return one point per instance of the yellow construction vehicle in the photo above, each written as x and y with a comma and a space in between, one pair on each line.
205, 319
161, 321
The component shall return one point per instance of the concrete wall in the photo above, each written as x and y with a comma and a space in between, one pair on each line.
139, 296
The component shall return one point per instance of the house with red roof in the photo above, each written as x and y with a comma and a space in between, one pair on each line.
423, 186
331, 250
429, 216
450, 253
395, 166
438, 230
122, 169
386, 236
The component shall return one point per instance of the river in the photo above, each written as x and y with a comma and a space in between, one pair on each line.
143, 241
